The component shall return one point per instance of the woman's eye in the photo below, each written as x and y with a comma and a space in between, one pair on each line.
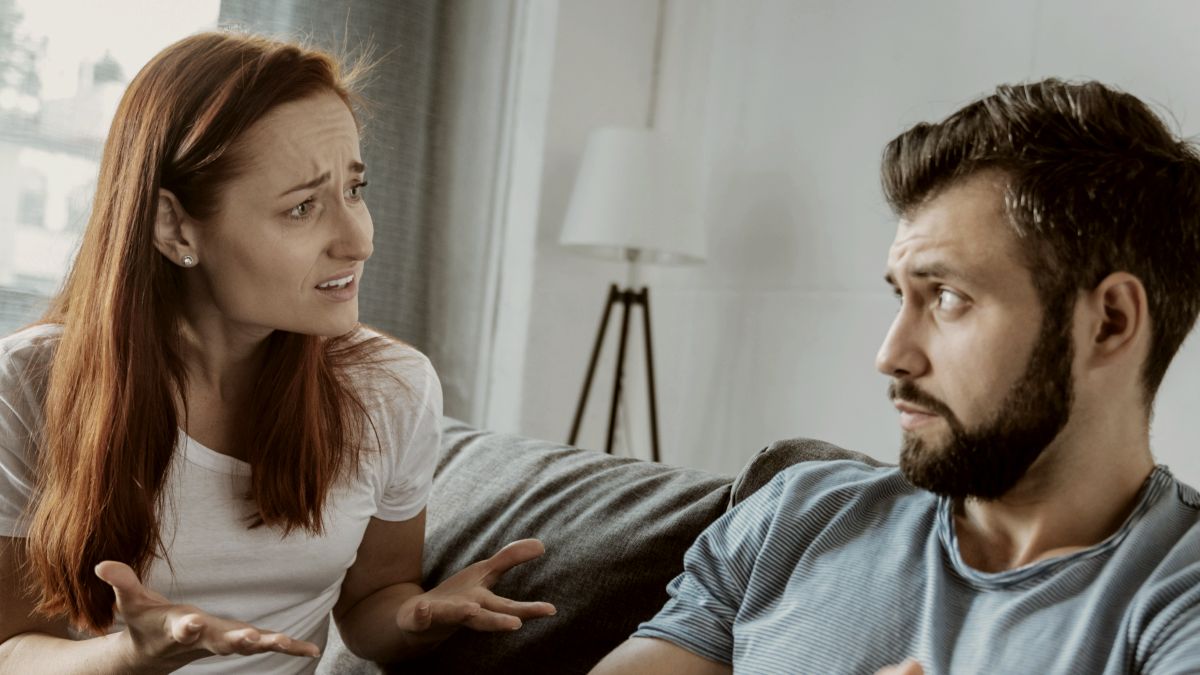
302, 210
355, 192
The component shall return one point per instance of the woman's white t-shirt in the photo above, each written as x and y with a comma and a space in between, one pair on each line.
288, 584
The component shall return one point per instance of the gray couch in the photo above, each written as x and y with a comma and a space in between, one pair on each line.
615, 531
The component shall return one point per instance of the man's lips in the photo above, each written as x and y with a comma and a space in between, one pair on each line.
906, 407
912, 417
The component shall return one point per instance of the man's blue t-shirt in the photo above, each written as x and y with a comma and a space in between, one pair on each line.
837, 567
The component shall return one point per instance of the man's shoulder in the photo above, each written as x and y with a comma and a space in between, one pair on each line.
1188, 497
809, 494
842, 479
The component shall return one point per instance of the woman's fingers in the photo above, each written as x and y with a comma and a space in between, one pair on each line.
514, 554
224, 636
487, 620
186, 628
427, 612
279, 642
250, 640
128, 588
910, 666
522, 610
243, 641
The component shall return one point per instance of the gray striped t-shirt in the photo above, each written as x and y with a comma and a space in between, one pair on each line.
837, 567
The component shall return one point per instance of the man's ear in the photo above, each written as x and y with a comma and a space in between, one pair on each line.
173, 231
1119, 317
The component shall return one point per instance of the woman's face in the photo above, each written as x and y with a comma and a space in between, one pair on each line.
286, 248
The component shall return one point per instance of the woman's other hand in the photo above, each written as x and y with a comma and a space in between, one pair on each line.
908, 667
169, 635
466, 599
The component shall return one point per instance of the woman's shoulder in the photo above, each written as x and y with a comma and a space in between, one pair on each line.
30, 346
31, 337
391, 354
25, 358
389, 367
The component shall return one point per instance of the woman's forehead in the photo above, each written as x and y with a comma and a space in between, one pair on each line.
298, 141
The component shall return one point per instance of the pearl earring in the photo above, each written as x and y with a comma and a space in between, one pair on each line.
188, 261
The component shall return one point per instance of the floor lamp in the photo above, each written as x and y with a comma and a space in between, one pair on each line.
636, 200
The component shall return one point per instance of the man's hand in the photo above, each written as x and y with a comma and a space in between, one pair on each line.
163, 635
909, 667
466, 599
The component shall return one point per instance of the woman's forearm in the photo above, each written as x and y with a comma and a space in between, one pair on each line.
42, 653
369, 629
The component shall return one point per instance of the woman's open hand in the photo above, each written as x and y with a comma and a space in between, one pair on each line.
466, 599
168, 635
908, 667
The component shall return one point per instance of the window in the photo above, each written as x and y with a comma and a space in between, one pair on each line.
63, 67
31, 198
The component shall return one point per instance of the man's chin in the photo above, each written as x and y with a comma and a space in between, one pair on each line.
930, 440
927, 464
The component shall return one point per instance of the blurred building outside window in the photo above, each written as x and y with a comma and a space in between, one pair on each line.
63, 68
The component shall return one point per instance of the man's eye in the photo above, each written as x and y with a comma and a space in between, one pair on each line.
949, 300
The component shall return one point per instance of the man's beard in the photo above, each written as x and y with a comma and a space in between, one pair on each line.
986, 462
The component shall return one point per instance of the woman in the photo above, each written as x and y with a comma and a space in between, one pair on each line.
200, 414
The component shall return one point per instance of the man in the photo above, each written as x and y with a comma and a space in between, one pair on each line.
1047, 265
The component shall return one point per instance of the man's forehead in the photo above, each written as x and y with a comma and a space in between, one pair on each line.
961, 232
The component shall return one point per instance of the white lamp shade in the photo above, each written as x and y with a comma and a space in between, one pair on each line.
636, 192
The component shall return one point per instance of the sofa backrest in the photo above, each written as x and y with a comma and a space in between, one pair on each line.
615, 531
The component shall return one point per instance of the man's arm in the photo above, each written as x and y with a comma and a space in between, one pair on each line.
656, 657
1176, 649
693, 633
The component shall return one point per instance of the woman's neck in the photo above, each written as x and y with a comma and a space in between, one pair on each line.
221, 357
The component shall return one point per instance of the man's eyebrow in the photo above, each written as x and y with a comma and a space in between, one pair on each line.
936, 270
355, 167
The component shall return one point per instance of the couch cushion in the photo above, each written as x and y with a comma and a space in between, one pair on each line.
615, 531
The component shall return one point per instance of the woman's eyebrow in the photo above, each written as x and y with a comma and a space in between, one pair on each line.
355, 167
307, 186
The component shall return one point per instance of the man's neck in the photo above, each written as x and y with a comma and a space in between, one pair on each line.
1078, 493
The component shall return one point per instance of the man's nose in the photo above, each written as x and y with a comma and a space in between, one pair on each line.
901, 354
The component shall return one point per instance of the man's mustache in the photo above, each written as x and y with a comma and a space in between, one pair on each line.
907, 392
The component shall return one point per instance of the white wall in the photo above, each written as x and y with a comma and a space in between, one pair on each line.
789, 104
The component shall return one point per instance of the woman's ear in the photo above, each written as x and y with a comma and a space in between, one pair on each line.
1121, 316
173, 231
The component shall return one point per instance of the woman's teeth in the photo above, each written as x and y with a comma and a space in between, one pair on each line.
337, 283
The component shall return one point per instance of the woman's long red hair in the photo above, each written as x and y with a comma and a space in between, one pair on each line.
111, 421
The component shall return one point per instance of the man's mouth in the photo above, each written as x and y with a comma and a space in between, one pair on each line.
913, 417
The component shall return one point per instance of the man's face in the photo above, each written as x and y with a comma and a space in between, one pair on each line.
980, 375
